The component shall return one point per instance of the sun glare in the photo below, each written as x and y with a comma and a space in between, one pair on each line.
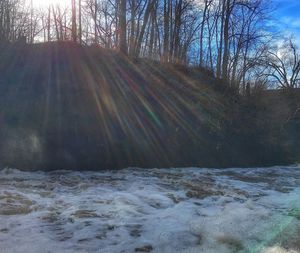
45, 3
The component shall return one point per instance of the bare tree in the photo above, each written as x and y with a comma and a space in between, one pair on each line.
80, 21
122, 27
74, 21
284, 65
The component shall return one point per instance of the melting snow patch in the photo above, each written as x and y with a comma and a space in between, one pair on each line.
277, 249
168, 210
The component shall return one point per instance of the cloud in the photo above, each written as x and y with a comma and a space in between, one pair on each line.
291, 22
286, 17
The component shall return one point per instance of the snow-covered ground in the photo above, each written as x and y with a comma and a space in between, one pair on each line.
136, 210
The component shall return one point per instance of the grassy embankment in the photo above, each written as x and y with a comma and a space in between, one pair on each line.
72, 107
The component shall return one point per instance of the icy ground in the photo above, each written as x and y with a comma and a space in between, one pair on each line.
170, 210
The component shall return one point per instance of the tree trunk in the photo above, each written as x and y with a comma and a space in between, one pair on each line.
226, 41
122, 28
80, 21
145, 22
206, 5
74, 25
166, 30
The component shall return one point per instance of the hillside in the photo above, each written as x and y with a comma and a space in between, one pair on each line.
67, 106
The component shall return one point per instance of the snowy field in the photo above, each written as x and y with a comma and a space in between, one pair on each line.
169, 210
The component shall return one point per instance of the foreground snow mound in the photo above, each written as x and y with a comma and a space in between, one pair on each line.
167, 210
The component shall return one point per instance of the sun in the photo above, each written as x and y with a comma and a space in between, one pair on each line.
45, 3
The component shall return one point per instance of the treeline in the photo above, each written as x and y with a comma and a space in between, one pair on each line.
230, 38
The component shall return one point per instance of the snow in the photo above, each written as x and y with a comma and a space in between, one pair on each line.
151, 210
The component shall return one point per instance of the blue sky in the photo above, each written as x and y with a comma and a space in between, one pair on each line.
287, 17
